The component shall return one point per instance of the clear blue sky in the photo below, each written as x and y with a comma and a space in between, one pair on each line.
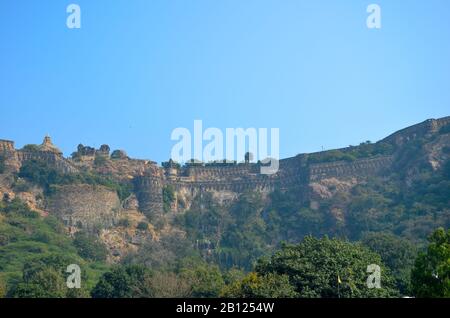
137, 69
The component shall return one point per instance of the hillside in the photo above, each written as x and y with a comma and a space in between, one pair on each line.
218, 214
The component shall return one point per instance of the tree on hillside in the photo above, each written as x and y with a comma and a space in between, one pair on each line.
244, 239
47, 283
165, 284
2, 164
3, 288
328, 268
206, 280
45, 277
163, 253
137, 281
430, 276
261, 286
89, 247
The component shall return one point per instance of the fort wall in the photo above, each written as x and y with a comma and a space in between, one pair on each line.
417, 131
149, 179
441, 122
294, 172
6, 146
85, 206
58, 161
357, 168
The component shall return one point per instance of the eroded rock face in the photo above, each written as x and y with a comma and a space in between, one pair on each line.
131, 203
327, 188
438, 151
34, 198
122, 240
85, 206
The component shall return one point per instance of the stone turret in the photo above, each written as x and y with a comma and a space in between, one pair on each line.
171, 169
8, 157
104, 150
149, 192
48, 146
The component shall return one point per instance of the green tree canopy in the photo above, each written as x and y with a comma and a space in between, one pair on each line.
261, 286
3, 288
328, 268
397, 253
45, 277
206, 280
430, 276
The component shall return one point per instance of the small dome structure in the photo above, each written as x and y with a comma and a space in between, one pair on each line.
48, 146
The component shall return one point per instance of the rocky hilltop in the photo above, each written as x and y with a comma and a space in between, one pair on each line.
163, 192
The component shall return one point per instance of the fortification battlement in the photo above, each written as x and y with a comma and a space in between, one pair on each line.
150, 179
422, 129
357, 168
437, 124
6, 146
55, 159
294, 172
211, 173
45, 152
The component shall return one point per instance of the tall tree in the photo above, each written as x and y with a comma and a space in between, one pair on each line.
431, 274
328, 268
397, 253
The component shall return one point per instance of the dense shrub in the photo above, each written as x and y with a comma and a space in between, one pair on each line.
31, 148
124, 222
89, 247
168, 197
143, 226
124, 282
329, 268
19, 208
397, 253
431, 273
364, 150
